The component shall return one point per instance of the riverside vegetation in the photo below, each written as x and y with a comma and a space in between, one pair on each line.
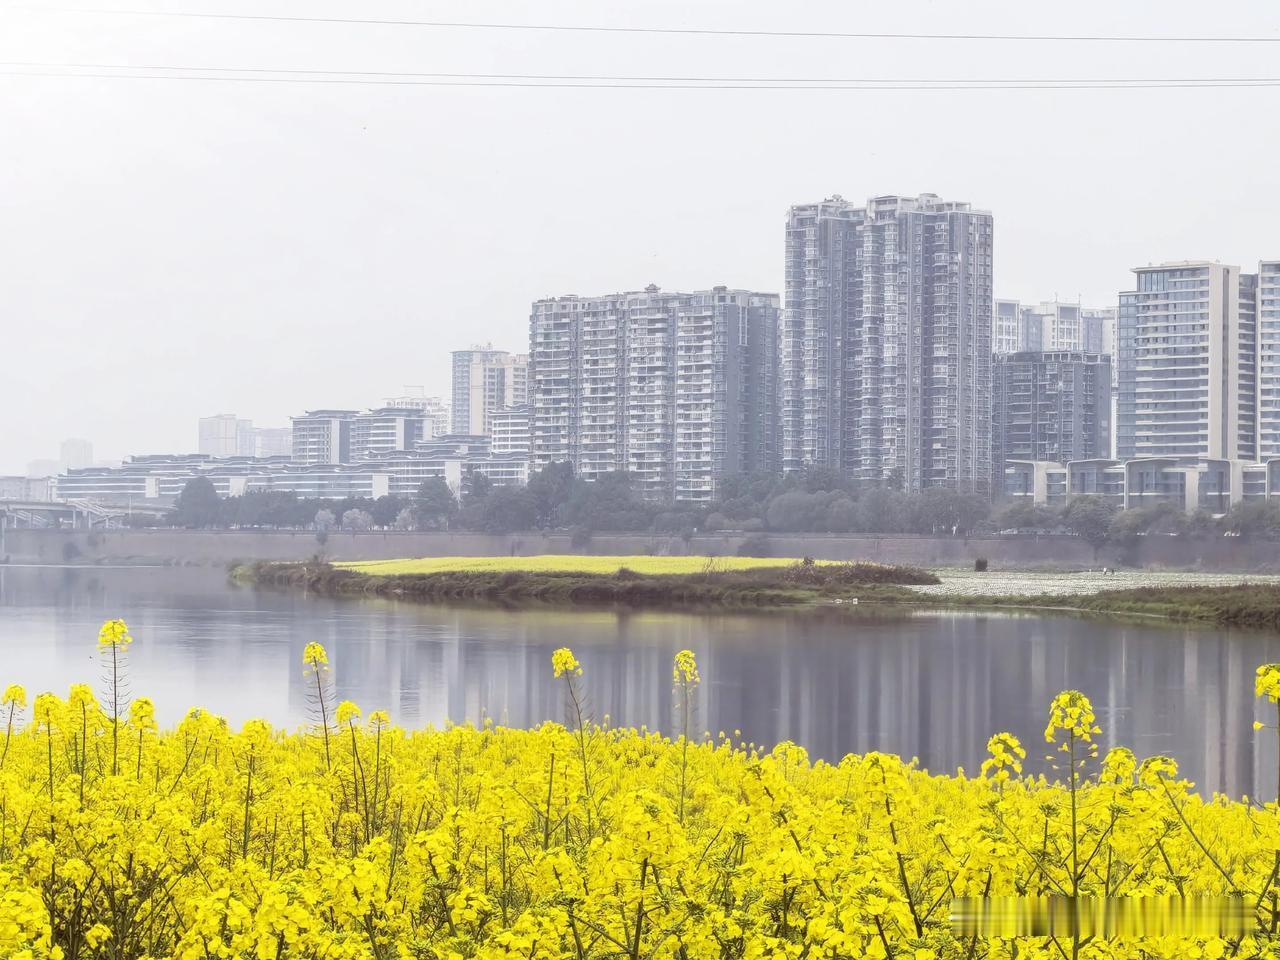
741, 582
358, 839
670, 582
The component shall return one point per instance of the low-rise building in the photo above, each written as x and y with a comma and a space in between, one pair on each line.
160, 479
1208, 484
509, 432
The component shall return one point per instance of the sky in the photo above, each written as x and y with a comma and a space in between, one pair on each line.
175, 248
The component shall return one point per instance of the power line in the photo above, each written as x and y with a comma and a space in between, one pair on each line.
874, 82
628, 85
678, 31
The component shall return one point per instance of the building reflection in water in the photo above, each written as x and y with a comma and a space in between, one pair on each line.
929, 685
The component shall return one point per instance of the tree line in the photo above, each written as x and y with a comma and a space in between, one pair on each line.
812, 502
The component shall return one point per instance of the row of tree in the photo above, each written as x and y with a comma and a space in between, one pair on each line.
816, 502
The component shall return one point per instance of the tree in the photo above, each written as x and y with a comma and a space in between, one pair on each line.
508, 510
198, 505
551, 488
1255, 519
435, 505
357, 520
406, 519
1089, 518
795, 511
324, 521
476, 487
385, 510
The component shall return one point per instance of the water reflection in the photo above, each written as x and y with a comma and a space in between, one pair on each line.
926, 685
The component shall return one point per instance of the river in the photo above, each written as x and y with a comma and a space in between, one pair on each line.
928, 685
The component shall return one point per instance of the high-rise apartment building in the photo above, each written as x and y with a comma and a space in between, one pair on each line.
1007, 333
226, 435
323, 436
485, 380
1188, 382
1268, 315
886, 342
1051, 326
1097, 330
1050, 406
677, 389
725, 389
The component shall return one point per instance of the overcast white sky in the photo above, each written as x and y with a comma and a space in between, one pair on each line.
173, 249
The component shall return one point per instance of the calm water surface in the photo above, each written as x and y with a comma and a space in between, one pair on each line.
934, 686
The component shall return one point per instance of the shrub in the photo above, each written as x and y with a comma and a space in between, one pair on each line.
755, 545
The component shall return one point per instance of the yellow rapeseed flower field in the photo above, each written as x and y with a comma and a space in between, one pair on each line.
359, 839
567, 564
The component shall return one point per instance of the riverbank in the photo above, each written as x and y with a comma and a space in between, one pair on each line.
1252, 605
562, 581
712, 585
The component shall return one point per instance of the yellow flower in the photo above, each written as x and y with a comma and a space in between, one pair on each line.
142, 714
563, 661
1118, 766
46, 709
379, 719
1007, 754
114, 635
81, 698
15, 695
1267, 682
1072, 713
314, 655
685, 669
1258, 724
348, 712
1155, 769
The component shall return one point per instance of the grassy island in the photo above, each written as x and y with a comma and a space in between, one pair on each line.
669, 582
755, 583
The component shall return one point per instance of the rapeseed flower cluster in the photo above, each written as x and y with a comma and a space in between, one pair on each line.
570, 563
575, 841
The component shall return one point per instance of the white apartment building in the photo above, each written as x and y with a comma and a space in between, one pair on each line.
1268, 317
1007, 333
224, 435
1188, 354
485, 380
1051, 326
509, 433
322, 436
677, 389
385, 430
435, 411
272, 441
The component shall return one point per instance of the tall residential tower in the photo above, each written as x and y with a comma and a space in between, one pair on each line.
1187, 344
677, 389
886, 342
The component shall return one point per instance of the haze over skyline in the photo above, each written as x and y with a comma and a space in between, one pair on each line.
173, 249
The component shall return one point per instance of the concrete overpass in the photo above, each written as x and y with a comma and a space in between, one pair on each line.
75, 514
